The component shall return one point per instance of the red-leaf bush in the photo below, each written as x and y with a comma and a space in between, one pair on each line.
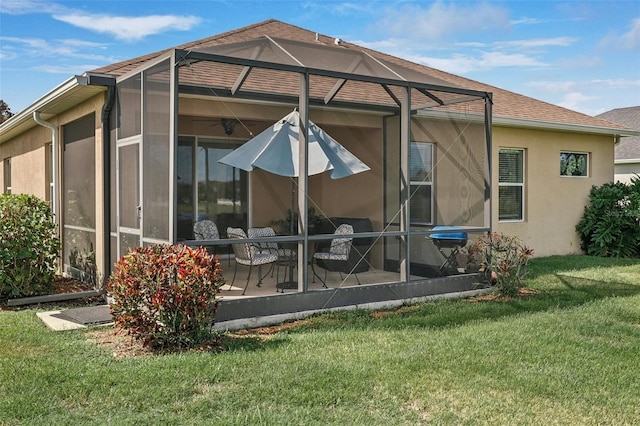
165, 295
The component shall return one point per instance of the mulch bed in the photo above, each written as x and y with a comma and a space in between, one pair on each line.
62, 285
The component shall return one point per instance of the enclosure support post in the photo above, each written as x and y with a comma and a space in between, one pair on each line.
303, 183
488, 124
405, 141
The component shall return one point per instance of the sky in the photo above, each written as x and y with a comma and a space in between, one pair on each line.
582, 55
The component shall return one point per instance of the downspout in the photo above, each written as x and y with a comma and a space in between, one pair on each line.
106, 182
55, 142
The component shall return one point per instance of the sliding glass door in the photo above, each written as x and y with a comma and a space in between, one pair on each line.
208, 189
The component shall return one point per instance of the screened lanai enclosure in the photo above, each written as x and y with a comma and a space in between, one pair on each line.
426, 144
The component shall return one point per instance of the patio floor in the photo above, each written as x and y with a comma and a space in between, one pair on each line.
269, 282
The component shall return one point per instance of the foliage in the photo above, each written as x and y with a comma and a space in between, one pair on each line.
5, 111
610, 224
504, 258
165, 295
29, 246
285, 226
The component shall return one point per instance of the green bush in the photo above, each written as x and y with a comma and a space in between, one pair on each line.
29, 246
165, 295
610, 224
504, 260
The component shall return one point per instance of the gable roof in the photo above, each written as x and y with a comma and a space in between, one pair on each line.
509, 108
508, 105
628, 148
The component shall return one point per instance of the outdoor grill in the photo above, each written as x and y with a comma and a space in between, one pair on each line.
450, 241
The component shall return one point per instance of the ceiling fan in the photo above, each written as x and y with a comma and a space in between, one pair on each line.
228, 124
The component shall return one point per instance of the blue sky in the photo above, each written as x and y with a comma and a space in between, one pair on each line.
583, 55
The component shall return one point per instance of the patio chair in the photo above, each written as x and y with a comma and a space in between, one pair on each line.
207, 230
337, 258
248, 255
286, 256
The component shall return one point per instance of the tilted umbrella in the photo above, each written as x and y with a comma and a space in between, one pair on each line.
277, 149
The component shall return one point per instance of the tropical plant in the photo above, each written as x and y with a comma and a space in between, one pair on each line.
29, 246
610, 224
504, 260
165, 295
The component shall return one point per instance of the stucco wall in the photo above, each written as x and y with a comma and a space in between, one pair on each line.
553, 204
28, 165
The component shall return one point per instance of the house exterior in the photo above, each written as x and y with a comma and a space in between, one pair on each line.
627, 151
128, 155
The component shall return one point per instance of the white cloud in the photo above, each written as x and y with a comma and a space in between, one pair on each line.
574, 100
627, 41
129, 28
22, 7
617, 83
442, 19
538, 42
65, 69
68, 49
464, 64
580, 62
591, 97
527, 21
499, 59
553, 86
120, 27
457, 63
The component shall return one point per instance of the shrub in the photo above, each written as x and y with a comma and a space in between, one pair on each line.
165, 295
504, 259
610, 224
29, 246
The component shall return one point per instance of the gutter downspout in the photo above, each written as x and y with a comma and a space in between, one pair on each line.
106, 182
55, 142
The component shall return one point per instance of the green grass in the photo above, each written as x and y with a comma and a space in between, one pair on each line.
567, 355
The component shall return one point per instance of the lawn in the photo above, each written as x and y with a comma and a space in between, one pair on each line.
566, 354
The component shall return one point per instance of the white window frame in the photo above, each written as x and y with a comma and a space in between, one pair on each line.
7, 175
521, 185
586, 166
415, 183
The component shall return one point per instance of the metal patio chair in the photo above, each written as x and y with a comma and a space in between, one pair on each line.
248, 254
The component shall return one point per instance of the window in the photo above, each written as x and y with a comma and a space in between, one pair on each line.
511, 184
7, 175
421, 175
574, 164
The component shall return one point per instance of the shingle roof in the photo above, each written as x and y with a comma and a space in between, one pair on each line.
508, 105
629, 147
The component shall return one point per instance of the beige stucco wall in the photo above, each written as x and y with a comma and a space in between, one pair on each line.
553, 204
28, 162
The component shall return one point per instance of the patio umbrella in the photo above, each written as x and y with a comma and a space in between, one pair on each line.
277, 148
